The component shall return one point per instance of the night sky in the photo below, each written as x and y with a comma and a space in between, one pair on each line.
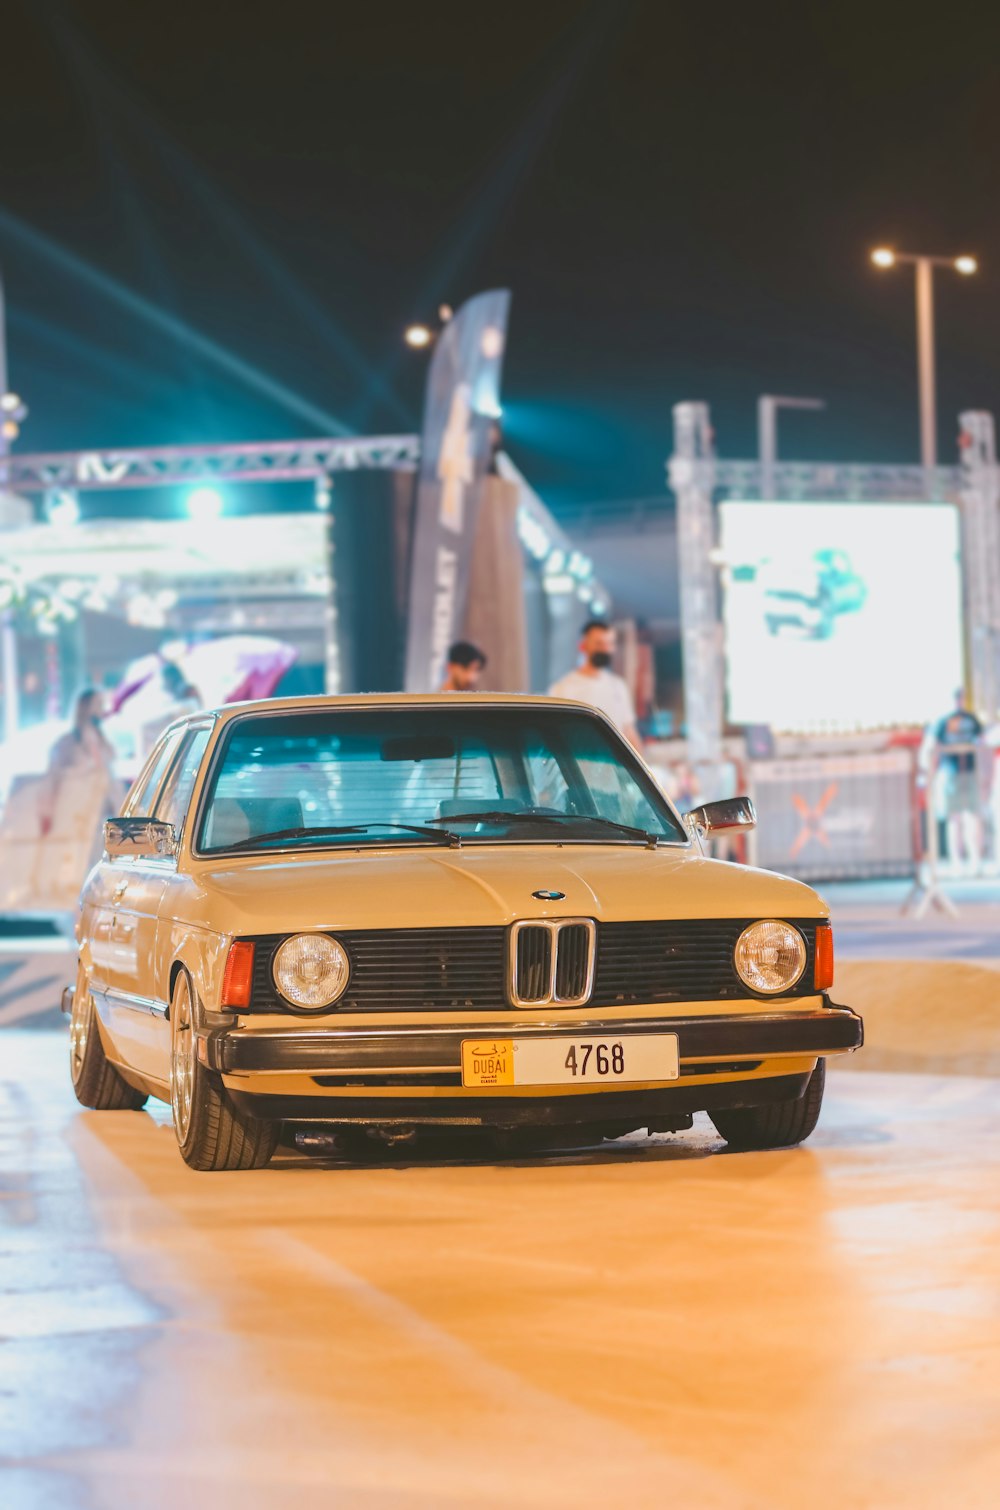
682, 199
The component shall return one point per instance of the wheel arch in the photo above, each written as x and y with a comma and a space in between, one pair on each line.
198, 951
175, 970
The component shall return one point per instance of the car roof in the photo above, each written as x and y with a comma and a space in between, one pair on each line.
320, 703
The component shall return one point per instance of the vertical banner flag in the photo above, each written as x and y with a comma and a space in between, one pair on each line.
461, 409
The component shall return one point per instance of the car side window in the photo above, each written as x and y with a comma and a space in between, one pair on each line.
176, 795
140, 801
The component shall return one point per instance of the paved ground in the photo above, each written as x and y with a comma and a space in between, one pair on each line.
653, 1324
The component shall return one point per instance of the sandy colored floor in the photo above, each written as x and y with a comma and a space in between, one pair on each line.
924, 1016
652, 1324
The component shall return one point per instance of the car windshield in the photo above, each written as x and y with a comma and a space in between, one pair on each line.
486, 775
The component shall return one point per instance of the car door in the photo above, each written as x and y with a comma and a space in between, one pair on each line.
140, 1010
104, 897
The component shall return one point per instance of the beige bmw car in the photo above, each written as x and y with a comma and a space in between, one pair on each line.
385, 914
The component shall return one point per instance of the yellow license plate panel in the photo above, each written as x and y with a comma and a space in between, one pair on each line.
487, 1061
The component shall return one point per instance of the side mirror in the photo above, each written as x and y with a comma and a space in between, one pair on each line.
138, 837
726, 817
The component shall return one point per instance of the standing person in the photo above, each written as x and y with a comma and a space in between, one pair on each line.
595, 683
960, 787
466, 664
83, 751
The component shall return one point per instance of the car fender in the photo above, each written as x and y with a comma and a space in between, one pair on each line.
199, 951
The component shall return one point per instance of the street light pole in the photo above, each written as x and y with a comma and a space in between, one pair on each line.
924, 266
925, 362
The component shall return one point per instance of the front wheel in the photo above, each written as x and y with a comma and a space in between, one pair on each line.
211, 1132
96, 1082
780, 1124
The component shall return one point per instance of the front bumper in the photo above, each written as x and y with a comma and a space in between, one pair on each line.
399, 1053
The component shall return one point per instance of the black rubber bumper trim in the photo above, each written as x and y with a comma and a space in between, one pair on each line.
746, 1035
623, 1110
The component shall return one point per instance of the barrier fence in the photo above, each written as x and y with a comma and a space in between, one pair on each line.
932, 814
895, 813
835, 817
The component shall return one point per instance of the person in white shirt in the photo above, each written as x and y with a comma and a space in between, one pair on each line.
595, 683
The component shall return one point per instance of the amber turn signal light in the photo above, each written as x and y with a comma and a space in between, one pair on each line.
237, 979
823, 975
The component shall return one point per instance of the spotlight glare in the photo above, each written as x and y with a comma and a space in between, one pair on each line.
204, 505
966, 265
418, 336
883, 256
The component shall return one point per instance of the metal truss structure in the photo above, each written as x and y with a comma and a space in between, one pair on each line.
836, 482
170, 466
980, 506
693, 479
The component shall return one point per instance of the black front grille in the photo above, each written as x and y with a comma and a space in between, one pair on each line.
415, 969
572, 962
639, 963
464, 969
533, 963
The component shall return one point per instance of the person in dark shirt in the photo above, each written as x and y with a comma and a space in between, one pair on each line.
957, 737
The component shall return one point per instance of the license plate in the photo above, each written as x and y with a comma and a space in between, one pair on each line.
639, 1057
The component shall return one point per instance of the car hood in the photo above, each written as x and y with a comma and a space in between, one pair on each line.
480, 885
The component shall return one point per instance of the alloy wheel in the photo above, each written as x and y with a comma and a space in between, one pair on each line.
79, 1029
182, 1058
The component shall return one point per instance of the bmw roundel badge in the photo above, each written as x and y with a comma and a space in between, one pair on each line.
549, 896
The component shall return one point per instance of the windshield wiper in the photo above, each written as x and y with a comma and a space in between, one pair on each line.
497, 815
439, 836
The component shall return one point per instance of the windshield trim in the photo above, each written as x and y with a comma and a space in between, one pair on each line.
214, 856
630, 758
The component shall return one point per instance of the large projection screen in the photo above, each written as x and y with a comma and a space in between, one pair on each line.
841, 616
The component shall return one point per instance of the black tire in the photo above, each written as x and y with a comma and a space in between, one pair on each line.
96, 1082
780, 1124
211, 1132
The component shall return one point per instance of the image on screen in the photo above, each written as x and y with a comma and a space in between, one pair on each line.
841, 616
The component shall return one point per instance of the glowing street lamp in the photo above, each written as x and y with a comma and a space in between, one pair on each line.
885, 257
422, 336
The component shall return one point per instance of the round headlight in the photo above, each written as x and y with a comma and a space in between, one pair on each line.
311, 970
770, 956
